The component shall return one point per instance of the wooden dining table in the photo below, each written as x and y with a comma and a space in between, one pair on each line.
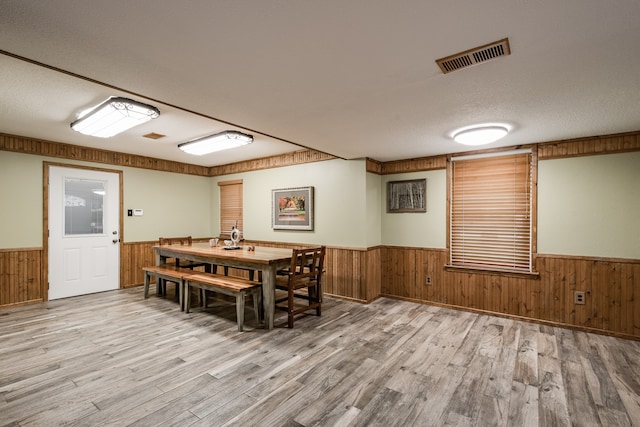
265, 259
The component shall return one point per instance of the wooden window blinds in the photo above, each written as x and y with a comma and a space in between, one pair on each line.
230, 207
490, 211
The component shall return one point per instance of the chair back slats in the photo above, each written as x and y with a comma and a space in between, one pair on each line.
307, 264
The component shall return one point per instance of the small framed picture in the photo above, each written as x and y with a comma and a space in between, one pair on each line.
407, 196
292, 209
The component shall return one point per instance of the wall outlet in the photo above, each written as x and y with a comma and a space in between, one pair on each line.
578, 297
428, 280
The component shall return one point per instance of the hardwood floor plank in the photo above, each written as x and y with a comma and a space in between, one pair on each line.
526, 369
552, 401
117, 359
523, 405
468, 395
580, 405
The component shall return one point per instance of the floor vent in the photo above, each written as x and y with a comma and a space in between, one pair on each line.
474, 56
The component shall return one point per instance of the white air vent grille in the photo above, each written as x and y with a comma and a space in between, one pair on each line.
474, 56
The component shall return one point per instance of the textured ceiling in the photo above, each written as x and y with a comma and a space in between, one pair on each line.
350, 78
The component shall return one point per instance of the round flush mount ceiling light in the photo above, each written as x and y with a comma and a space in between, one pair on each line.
480, 135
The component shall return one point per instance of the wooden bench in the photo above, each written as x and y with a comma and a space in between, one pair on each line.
168, 272
228, 285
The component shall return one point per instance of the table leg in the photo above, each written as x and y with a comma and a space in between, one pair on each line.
268, 295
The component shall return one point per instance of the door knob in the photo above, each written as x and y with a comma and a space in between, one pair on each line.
115, 241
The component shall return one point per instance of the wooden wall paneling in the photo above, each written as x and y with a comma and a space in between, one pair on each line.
386, 271
409, 273
596, 294
615, 297
373, 166
414, 165
553, 310
627, 298
421, 267
346, 273
33, 273
94, 155
68, 151
330, 278
461, 297
280, 160
582, 312
617, 143
361, 279
343, 271
136, 255
518, 291
373, 277
20, 276
357, 274
400, 286
611, 288
569, 306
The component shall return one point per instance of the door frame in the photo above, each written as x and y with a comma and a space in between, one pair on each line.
45, 220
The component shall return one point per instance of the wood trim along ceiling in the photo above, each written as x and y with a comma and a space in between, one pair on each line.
615, 143
41, 147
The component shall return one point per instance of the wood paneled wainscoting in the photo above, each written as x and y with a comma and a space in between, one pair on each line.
21, 276
611, 287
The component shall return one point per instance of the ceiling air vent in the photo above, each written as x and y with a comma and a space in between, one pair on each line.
154, 135
474, 56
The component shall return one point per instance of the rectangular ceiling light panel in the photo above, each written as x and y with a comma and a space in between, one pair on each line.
113, 116
218, 142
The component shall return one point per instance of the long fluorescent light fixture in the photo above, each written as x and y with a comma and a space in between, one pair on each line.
218, 142
113, 116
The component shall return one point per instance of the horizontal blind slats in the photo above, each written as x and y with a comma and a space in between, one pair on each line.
231, 207
491, 212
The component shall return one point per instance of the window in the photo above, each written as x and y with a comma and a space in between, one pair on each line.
230, 207
491, 210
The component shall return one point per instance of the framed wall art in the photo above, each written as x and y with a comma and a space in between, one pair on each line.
407, 196
292, 209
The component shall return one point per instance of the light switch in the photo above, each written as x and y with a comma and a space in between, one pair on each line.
138, 212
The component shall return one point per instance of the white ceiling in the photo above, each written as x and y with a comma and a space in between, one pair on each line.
352, 78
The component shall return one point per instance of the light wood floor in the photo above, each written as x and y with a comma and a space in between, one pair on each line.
117, 359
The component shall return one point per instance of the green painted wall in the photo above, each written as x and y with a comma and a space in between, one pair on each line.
418, 229
590, 206
340, 192
587, 206
173, 204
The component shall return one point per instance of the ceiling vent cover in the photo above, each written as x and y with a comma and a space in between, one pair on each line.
154, 135
474, 56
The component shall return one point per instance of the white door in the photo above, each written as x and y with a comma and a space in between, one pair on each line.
84, 234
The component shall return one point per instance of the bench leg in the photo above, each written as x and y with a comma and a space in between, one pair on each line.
146, 284
187, 296
256, 294
240, 309
160, 286
180, 289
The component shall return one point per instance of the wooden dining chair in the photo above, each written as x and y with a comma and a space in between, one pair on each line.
303, 281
